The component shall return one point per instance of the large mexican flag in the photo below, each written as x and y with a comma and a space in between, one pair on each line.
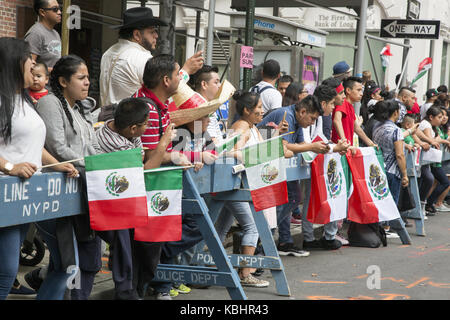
370, 199
266, 173
330, 181
116, 190
164, 187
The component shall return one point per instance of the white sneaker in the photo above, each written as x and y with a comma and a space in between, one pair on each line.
392, 235
342, 240
442, 208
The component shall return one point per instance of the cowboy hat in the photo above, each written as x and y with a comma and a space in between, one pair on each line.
192, 106
140, 17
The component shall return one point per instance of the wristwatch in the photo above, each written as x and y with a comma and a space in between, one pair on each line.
8, 167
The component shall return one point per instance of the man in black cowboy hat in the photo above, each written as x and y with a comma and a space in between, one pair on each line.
122, 65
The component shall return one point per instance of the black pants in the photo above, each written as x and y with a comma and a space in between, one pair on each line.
122, 258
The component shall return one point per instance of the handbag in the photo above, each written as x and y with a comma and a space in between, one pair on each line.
405, 200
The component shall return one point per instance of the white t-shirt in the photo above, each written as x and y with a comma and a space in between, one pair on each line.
424, 124
27, 136
423, 109
271, 98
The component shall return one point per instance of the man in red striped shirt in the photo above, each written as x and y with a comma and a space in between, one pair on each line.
161, 79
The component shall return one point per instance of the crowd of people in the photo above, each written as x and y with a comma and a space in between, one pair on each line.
47, 117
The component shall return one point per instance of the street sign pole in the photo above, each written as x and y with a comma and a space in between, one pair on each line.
249, 29
405, 51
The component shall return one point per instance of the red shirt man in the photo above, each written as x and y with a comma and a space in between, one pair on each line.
344, 118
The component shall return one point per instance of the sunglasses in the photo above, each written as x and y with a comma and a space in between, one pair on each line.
54, 9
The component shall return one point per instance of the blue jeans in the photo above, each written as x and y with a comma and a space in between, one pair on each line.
243, 214
441, 177
11, 239
284, 212
426, 182
397, 224
55, 283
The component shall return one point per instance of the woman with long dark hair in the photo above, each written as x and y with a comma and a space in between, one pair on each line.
70, 136
22, 137
294, 93
389, 137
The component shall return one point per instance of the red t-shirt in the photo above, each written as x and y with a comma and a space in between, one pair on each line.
150, 138
348, 122
37, 95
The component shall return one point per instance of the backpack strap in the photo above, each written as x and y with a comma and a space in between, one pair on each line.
260, 90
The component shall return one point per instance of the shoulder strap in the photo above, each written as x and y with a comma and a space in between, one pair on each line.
258, 90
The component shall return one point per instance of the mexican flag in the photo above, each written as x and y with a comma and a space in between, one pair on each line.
330, 181
384, 55
116, 190
164, 187
228, 144
424, 66
266, 173
369, 200
309, 156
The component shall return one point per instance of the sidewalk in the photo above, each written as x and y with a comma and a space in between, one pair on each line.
104, 286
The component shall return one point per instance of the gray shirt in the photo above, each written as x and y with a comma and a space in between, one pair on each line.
45, 43
63, 142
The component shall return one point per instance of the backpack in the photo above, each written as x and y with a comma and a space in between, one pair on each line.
370, 235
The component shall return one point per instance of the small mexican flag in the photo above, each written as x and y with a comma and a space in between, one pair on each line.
164, 191
228, 144
370, 199
424, 66
384, 55
266, 173
116, 190
330, 181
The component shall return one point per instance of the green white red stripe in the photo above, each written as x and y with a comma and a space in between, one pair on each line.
330, 179
164, 188
266, 173
424, 66
116, 190
228, 144
370, 199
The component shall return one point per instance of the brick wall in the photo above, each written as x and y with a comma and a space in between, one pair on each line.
8, 16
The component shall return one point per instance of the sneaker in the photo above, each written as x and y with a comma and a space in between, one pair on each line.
288, 249
296, 221
312, 245
251, 281
17, 288
342, 240
392, 235
258, 272
173, 292
330, 244
182, 289
163, 296
442, 208
430, 210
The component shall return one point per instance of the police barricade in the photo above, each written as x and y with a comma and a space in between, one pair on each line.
218, 184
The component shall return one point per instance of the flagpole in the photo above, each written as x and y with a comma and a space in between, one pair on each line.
169, 168
58, 163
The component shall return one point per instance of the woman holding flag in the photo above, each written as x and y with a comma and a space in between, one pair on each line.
22, 140
70, 136
389, 137
249, 108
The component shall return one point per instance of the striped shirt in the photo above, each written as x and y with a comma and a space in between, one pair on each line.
111, 141
151, 137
